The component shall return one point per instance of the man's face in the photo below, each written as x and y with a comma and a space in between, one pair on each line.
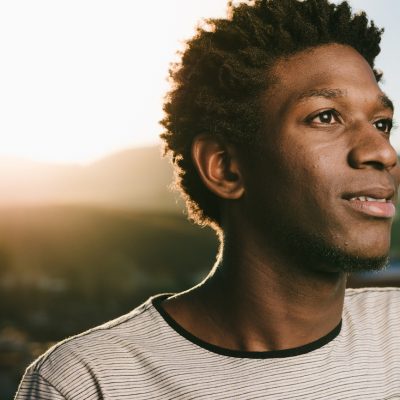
326, 180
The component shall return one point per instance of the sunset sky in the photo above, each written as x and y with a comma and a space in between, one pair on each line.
80, 79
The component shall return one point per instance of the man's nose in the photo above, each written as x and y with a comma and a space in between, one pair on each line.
371, 148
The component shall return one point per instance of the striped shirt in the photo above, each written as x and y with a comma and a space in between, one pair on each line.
146, 355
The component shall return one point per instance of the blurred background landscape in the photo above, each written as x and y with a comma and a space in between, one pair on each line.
80, 245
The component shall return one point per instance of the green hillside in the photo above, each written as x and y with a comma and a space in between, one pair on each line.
65, 269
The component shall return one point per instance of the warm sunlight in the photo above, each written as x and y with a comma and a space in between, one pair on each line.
81, 79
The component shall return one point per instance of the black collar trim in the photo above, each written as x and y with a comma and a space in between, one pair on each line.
296, 351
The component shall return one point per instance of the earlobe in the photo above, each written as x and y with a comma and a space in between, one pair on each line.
218, 166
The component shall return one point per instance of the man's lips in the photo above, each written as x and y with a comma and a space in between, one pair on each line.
376, 202
374, 208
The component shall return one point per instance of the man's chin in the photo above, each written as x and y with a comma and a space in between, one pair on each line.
335, 259
345, 262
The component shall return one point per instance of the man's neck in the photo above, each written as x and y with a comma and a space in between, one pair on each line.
255, 301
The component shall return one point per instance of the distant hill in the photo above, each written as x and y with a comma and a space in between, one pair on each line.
134, 178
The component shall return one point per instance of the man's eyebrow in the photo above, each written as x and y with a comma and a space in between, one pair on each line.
326, 93
386, 102
335, 93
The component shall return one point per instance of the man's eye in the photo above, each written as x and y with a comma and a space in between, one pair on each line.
326, 117
384, 125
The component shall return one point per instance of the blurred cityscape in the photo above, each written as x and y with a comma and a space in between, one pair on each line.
82, 245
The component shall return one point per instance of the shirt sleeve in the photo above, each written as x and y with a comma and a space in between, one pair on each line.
34, 386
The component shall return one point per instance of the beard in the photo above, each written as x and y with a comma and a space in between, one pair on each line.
312, 251
315, 250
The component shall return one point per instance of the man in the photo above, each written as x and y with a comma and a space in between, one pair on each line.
280, 135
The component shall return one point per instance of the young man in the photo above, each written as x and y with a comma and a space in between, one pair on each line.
280, 135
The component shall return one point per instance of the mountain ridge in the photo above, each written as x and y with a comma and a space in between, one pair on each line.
132, 178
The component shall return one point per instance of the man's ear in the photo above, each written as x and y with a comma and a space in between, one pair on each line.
218, 166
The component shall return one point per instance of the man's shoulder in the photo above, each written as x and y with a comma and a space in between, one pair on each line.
374, 303
108, 342
377, 293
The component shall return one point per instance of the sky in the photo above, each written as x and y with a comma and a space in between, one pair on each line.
80, 79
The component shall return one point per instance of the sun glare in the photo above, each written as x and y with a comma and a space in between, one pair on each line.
84, 78
81, 79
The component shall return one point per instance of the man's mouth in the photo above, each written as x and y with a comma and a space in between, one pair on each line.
381, 207
366, 198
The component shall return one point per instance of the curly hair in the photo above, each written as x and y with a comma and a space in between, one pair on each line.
223, 72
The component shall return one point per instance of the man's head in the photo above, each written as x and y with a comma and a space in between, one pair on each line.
276, 111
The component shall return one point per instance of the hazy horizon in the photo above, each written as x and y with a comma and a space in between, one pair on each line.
85, 163
132, 178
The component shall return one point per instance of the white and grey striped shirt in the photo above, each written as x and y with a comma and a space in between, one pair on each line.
145, 355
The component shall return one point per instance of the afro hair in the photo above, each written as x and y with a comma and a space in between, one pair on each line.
217, 85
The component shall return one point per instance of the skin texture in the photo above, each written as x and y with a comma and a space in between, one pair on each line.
290, 232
